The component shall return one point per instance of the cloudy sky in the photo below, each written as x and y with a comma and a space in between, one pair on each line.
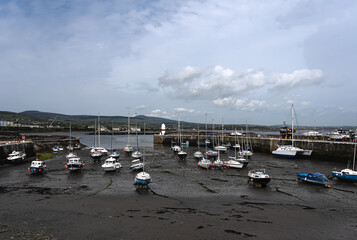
236, 60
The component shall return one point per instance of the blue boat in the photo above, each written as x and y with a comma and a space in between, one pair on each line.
315, 177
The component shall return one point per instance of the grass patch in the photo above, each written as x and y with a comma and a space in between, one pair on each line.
44, 156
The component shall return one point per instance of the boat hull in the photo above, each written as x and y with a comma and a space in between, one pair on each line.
263, 181
74, 167
36, 170
346, 177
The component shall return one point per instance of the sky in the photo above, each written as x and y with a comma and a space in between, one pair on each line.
237, 61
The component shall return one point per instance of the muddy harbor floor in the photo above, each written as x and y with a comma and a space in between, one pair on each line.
184, 202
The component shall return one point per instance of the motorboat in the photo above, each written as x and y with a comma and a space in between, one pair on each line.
114, 154
111, 164
77, 146
312, 134
218, 163
204, 163
37, 167
315, 177
258, 177
16, 157
340, 135
137, 165
74, 164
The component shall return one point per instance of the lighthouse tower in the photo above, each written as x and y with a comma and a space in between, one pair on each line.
162, 129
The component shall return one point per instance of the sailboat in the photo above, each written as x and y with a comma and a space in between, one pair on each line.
348, 174
205, 162
290, 150
175, 146
247, 150
181, 154
128, 148
212, 153
95, 153
70, 149
237, 161
114, 153
221, 148
143, 178
218, 163
198, 154
99, 148
136, 153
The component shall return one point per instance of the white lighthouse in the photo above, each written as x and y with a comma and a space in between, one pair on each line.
162, 129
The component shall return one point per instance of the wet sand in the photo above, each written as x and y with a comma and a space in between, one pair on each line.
183, 202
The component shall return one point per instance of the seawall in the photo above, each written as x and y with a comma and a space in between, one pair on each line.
322, 149
5, 149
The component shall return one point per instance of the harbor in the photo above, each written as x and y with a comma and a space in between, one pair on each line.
193, 203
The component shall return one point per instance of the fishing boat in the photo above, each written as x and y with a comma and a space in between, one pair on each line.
111, 164
204, 163
143, 178
315, 177
348, 174
258, 177
37, 167
291, 150
128, 149
74, 164
16, 157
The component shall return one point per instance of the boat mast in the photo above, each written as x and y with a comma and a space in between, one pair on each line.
144, 148
206, 134
128, 128
179, 132
198, 136
111, 140
98, 130
136, 132
354, 154
292, 125
95, 133
70, 136
222, 131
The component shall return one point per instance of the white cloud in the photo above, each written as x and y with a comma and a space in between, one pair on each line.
240, 104
298, 78
141, 107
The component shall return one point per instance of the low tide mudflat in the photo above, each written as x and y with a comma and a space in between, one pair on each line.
183, 202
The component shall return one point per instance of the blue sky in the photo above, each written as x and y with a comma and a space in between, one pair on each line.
235, 60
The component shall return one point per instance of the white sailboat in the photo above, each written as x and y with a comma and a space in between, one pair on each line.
128, 148
221, 148
181, 154
143, 178
247, 149
114, 153
198, 154
136, 153
70, 153
205, 162
348, 174
290, 150
99, 148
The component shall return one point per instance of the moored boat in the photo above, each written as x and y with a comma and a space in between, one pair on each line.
75, 164
204, 163
16, 157
111, 164
315, 177
37, 167
258, 176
